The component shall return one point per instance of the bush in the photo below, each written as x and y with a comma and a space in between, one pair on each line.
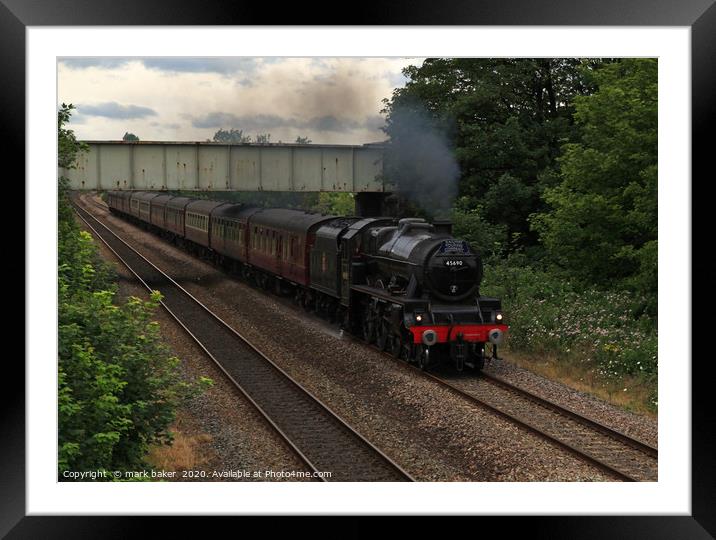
118, 387
550, 315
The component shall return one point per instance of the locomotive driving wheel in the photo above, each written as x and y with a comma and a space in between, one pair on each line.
423, 357
408, 351
383, 337
396, 346
368, 325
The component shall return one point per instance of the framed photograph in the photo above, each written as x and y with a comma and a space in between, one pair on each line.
153, 56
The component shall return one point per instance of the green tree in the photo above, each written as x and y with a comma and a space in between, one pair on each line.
67, 144
129, 137
231, 136
263, 138
602, 220
303, 140
504, 119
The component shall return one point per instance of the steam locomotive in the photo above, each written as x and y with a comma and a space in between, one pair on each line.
406, 285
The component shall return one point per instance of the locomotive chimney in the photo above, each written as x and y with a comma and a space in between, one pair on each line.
443, 226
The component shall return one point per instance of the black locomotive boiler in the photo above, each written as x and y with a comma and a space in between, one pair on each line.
406, 285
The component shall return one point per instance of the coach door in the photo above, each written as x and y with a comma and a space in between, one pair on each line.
279, 253
345, 257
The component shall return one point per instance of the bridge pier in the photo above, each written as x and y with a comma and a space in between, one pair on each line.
370, 204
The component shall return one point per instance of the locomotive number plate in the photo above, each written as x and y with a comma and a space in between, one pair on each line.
453, 262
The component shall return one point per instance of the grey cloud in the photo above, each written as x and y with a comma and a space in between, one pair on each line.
222, 65
78, 118
112, 109
269, 121
106, 62
374, 122
246, 122
164, 125
330, 123
202, 65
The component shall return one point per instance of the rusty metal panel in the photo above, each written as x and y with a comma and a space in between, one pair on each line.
307, 169
148, 167
182, 173
85, 173
337, 169
114, 171
368, 167
214, 167
245, 168
275, 169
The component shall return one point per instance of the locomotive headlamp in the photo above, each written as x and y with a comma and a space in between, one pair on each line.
498, 316
495, 336
418, 317
430, 337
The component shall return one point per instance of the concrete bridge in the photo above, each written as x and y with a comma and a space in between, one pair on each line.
199, 166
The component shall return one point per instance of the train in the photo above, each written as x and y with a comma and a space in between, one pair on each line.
406, 285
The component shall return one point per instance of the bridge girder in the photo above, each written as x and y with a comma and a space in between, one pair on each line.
207, 166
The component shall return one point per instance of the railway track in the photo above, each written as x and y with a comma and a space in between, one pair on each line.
616, 453
321, 439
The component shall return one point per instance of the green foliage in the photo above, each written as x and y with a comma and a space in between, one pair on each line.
470, 224
118, 387
68, 146
129, 137
337, 204
231, 136
506, 120
601, 225
266, 199
236, 136
558, 161
550, 315
303, 140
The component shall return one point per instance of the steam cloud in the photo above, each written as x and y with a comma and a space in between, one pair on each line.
420, 162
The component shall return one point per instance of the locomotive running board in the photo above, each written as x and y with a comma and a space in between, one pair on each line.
385, 295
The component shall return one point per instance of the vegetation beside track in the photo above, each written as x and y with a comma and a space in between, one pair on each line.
118, 386
556, 184
589, 338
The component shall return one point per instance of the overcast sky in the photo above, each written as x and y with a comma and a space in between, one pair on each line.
328, 100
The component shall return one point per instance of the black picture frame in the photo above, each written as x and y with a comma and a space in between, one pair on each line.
700, 15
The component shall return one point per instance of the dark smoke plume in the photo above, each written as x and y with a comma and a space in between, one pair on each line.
419, 160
